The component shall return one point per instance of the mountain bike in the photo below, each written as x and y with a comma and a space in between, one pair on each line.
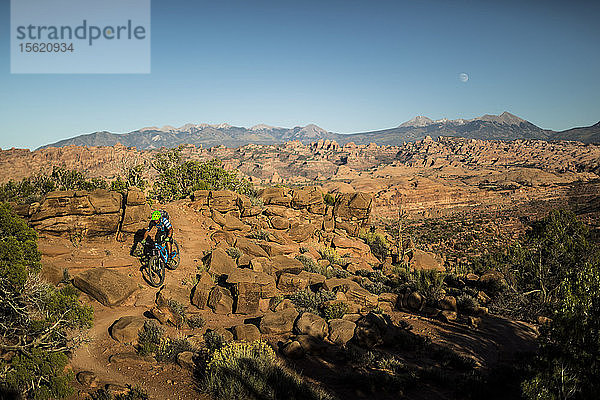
159, 260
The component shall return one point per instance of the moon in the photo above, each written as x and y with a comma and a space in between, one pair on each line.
463, 77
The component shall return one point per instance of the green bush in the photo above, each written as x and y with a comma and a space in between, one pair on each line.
330, 254
242, 370
149, 338
234, 252
429, 283
39, 323
213, 341
178, 179
260, 235
567, 365
310, 265
196, 321
379, 245
34, 188
466, 302
306, 300
329, 199
169, 349
335, 310
134, 393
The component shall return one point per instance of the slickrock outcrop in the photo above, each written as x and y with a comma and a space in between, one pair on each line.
109, 287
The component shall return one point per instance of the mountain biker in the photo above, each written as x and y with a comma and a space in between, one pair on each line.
164, 230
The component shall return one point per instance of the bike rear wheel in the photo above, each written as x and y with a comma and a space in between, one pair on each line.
155, 271
174, 262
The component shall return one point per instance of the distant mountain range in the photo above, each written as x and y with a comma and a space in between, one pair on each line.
505, 126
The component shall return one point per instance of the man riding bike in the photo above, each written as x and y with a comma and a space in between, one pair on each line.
164, 230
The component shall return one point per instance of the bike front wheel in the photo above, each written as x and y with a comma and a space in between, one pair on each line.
155, 271
174, 262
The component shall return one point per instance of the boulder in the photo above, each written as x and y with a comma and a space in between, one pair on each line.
51, 272
165, 316
311, 344
282, 264
275, 249
353, 206
135, 197
202, 290
371, 330
105, 201
278, 222
341, 331
126, 329
109, 287
293, 350
448, 315
448, 303
427, 261
291, 283
492, 279
185, 360
266, 287
310, 198
312, 325
223, 201
233, 223
173, 293
414, 301
220, 300
220, 263
301, 231
246, 332
223, 237
250, 247
87, 379
200, 197
279, 321
275, 196
356, 247
135, 218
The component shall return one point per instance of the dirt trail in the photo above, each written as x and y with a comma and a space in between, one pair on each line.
160, 380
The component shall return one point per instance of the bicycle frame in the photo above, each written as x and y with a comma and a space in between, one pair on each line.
162, 251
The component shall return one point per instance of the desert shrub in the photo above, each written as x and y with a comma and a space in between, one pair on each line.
567, 365
169, 349
377, 371
260, 235
134, 393
466, 302
306, 300
39, 323
379, 245
234, 252
118, 185
242, 370
150, 337
257, 201
178, 179
329, 199
377, 287
330, 254
311, 265
303, 250
33, 189
429, 283
179, 312
196, 321
335, 310
213, 341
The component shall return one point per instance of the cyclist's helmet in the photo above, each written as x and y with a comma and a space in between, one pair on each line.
155, 215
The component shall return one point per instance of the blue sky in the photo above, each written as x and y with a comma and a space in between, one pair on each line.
347, 66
